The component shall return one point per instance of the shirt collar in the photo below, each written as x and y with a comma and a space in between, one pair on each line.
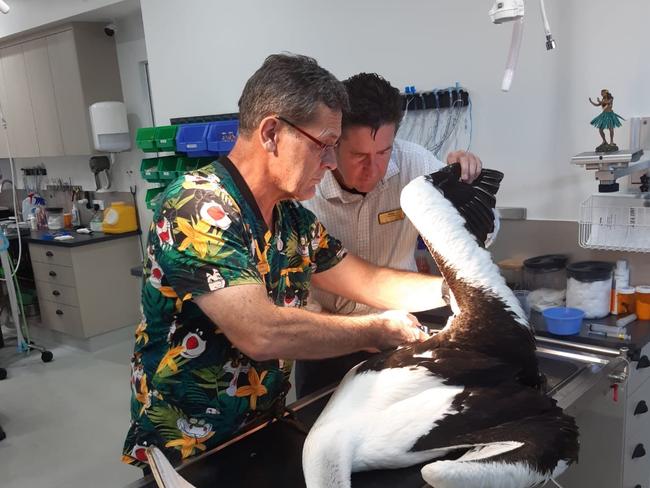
330, 188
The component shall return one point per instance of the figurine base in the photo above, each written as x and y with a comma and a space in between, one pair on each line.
605, 147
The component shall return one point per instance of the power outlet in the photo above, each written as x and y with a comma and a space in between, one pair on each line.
99, 203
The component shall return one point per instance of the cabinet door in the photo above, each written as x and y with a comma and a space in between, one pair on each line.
68, 91
17, 104
41, 89
4, 150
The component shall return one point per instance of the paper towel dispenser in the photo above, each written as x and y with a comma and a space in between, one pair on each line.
110, 127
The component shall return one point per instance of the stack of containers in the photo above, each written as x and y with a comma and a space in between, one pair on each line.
186, 147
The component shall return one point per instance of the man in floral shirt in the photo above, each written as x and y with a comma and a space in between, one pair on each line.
231, 255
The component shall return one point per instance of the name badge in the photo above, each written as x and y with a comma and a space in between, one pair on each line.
391, 216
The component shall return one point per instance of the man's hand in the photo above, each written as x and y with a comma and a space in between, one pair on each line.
398, 327
470, 164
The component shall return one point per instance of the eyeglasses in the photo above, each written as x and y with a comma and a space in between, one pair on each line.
324, 148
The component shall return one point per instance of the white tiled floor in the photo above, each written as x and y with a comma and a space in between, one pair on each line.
65, 421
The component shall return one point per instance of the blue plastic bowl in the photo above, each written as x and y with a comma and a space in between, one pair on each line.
563, 320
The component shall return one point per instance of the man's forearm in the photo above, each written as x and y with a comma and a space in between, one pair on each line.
404, 290
299, 334
382, 288
262, 330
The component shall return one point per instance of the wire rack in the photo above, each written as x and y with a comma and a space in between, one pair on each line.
616, 222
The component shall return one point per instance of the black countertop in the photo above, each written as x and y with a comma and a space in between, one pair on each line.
272, 458
46, 237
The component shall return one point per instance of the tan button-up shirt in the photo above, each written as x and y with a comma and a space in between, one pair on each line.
355, 219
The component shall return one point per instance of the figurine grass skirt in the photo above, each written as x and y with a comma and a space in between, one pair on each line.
607, 120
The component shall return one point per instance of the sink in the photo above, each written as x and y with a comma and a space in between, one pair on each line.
558, 371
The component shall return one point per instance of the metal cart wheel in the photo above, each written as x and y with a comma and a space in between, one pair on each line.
47, 356
3, 373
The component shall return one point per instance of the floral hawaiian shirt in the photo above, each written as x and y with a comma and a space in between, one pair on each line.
191, 388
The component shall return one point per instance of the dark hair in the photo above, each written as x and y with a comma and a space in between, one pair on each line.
373, 102
290, 85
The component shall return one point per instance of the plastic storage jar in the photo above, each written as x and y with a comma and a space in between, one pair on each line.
54, 218
624, 301
545, 277
589, 287
643, 302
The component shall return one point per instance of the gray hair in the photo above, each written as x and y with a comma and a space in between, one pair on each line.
290, 85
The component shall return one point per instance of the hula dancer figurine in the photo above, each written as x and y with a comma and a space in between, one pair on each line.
608, 119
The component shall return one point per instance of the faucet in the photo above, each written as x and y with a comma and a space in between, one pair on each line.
3, 182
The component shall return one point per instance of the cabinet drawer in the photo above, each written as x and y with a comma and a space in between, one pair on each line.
50, 255
637, 438
57, 293
637, 418
635, 471
639, 371
62, 318
53, 273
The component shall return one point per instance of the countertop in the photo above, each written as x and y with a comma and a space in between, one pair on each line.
46, 237
639, 330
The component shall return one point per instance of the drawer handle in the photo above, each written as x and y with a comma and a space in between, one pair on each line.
56, 293
642, 407
52, 273
49, 254
643, 363
639, 451
60, 312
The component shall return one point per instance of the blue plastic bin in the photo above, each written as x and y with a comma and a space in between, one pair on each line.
222, 135
563, 320
193, 140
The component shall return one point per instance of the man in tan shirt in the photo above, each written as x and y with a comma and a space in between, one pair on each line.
359, 202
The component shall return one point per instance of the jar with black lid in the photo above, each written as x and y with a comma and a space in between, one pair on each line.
545, 277
589, 287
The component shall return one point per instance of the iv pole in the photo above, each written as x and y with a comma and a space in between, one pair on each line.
23, 344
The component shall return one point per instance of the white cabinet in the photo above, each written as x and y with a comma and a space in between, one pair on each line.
4, 151
87, 290
17, 103
41, 90
48, 82
68, 92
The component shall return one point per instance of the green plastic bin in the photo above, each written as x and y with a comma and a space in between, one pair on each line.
167, 168
152, 198
185, 164
145, 140
149, 170
165, 137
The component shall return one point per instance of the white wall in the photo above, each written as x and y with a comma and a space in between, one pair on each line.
201, 55
30, 14
131, 55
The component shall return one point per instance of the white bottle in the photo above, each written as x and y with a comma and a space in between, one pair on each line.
76, 222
